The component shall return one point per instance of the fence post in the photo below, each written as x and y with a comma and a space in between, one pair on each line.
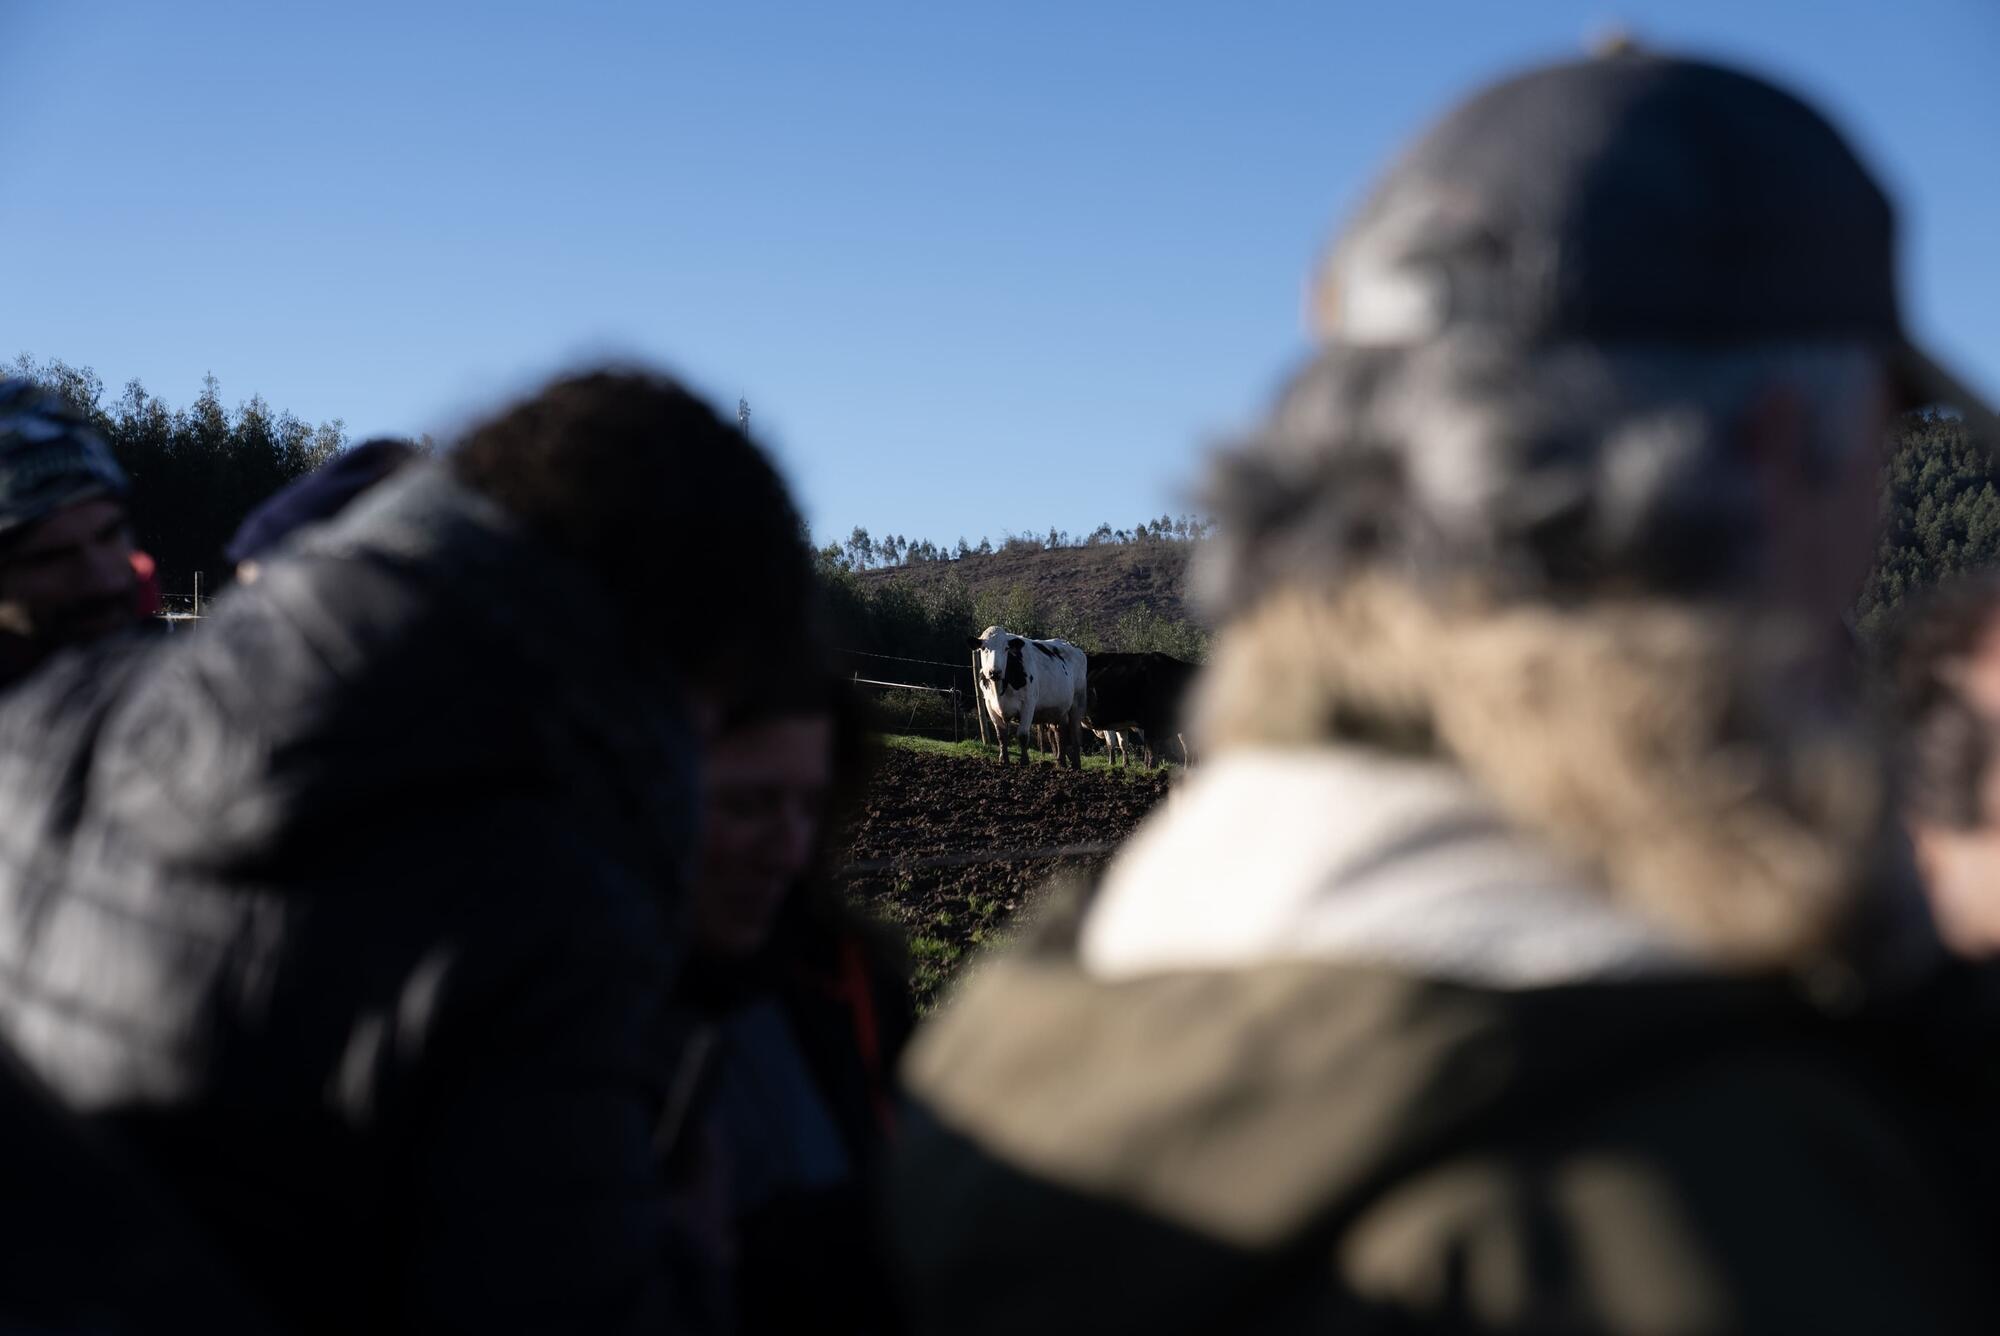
978, 702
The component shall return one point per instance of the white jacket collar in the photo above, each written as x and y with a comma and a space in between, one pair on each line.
1349, 855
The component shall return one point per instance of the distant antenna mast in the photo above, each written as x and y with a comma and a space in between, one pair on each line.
743, 415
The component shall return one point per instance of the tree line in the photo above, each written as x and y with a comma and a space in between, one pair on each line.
863, 552
196, 472
1940, 518
930, 620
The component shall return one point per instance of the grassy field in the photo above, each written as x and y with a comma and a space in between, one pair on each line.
948, 938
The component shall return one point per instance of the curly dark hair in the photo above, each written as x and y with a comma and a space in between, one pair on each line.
684, 520
1943, 742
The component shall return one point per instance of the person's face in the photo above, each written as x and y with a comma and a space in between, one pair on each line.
1976, 677
764, 792
1961, 876
69, 578
1961, 867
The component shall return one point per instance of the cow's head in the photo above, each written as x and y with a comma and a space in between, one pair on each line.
1000, 662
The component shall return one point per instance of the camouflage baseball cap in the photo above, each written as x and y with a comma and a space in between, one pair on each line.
50, 457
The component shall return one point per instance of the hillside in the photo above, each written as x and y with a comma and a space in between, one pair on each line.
1092, 587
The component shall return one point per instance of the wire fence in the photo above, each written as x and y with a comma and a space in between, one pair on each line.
940, 702
909, 671
898, 658
914, 710
924, 698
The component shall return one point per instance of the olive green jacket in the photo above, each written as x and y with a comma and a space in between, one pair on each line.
1328, 1139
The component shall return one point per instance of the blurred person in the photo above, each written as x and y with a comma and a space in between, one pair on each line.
69, 572
351, 919
1944, 680
803, 1006
1534, 951
314, 498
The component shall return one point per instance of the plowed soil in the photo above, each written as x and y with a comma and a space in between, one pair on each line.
952, 847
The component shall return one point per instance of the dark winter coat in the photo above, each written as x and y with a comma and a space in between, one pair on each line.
90, 1243
798, 1102
350, 917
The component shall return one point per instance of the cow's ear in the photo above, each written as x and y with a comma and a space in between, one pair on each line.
973, 642
1016, 643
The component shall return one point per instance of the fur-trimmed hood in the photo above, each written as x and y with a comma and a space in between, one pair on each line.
1675, 757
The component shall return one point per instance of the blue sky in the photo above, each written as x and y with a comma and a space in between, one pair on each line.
977, 268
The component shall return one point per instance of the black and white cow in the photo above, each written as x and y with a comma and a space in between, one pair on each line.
1026, 682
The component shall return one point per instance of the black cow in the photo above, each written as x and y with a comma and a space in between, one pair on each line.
1141, 692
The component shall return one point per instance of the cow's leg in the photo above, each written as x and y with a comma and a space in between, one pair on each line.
1000, 733
1072, 733
1025, 729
